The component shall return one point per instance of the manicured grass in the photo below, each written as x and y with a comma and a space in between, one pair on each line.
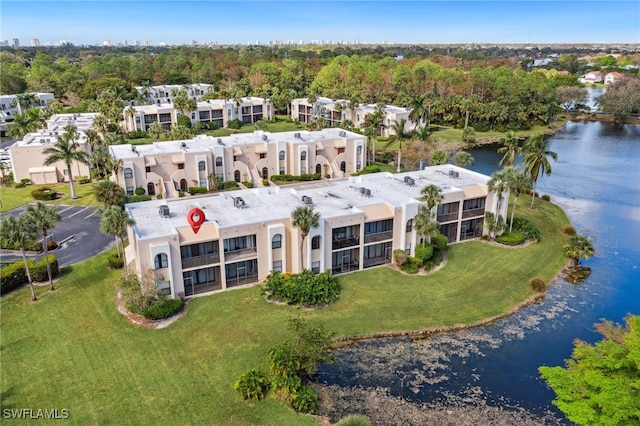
72, 349
15, 197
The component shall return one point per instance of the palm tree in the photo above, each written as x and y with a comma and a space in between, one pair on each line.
113, 138
93, 138
179, 132
101, 124
18, 231
155, 130
419, 111
183, 102
424, 223
518, 183
44, 218
115, 221
24, 101
463, 159
439, 157
499, 183
67, 151
509, 148
398, 127
535, 160
371, 124
25, 123
579, 247
431, 195
428, 226
304, 218
109, 193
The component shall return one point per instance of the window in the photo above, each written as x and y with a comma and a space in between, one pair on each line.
128, 173
201, 166
147, 169
263, 155
315, 267
378, 227
281, 155
359, 150
129, 190
276, 241
202, 183
303, 156
282, 171
315, 242
239, 243
358, 165
218, 161
277, 266
161, 261
409, 227
180, 166
343, 167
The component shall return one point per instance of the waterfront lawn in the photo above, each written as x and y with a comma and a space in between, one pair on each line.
72, 349
15, 197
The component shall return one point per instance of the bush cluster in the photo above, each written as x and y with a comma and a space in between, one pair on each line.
428, 255
30, 245
139, 191
15, 275
136, 134
164, 308
197, 190
141, 297
234, 124
412, 265
248, 184
372, 168
137, 198
252, 384
302, 178
44, 193
513, 238
524, 226
228, 184
115, 262
82, 180
569, 230
538, 284
305, 289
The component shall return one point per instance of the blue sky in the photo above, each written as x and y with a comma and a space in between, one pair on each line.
230, 22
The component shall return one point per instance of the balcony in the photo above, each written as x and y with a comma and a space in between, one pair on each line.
339, 243
447, 217
375, 261
245, 279
380, 236
242, 254
472, 213
207, 259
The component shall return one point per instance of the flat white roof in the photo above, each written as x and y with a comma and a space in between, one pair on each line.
330, 199
204, 143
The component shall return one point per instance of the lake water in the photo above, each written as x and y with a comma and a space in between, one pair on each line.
596, 180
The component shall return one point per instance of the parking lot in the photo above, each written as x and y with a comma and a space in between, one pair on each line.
77, 233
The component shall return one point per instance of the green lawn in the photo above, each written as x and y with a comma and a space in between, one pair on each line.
11, 198
72, 349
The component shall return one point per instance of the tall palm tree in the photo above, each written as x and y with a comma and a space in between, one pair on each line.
19, 231
23, 124
424, 224
432, 196
401, 134
115, 221
24, 101
67, 150
93, 138
536, 160
518, 183
509, 149
499, 183
304, 218
156, 130
109, 193
579, 247
419, 110
372, 123
113, 138
463, 159
43, 218
101, 124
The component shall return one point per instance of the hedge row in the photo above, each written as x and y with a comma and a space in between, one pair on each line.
302, 178
14, 275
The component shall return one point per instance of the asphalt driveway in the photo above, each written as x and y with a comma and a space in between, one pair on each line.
77, 233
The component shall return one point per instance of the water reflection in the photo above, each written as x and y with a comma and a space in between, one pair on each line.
597, 183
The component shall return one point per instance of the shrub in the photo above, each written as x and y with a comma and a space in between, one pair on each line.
197, 190
181, 193
372, 168
25, 181
435, 260
115, 262
424, 252
252, 384
569, 230
400, 257
52, 245
354, 420
183, 120
19, 185
30, 245
524, 226
234, 124
139, 191
228, 184
139, 198
305, 400
83, 180
248, 184
44, 194
513, 238
39, 270
305, 289
265, 182
538, 284
412, 265
163, 308
12, 276
545, 197
439, 242
136, 134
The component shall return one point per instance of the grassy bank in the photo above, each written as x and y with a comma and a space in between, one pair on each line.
72, 349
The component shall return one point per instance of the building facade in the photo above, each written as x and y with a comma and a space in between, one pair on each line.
163, 94
166, 167
27, 155
247, 110
10, 105
203, 244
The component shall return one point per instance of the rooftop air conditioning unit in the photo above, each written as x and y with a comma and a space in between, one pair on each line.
265, 138
367, 193
296, 135
411, 182
184, 144
307, 200
362, 190
342, 134
239, 202
163, 210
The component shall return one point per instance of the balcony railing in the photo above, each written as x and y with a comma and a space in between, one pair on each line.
339, 243
375, 261
353, 265
379, 236
447, 217
472, 213
241, 254
207, 259
246, 279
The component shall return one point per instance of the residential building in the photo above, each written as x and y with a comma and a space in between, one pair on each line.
591, 77
10, 105
613, 77
212, 243
335, 111
164, 167
27, 155
163, 94
219, 111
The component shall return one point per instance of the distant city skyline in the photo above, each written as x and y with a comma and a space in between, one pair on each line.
240, 22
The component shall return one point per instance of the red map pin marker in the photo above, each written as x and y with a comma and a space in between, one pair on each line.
195, 219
